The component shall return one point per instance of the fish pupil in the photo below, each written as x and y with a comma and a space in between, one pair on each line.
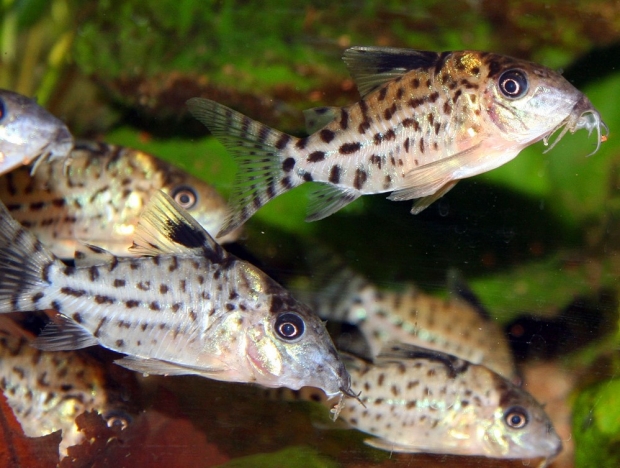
513, 84
289, 326
2, 112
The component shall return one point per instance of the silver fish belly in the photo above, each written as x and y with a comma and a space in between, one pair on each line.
425, 121
184, 306
48, 390
450, 325
28, 132
417, 400
97, 197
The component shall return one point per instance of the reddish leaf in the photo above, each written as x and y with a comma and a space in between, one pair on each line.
19, 451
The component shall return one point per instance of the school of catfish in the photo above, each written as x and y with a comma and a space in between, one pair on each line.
125, 250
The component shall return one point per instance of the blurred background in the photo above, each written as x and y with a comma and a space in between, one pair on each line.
538, 239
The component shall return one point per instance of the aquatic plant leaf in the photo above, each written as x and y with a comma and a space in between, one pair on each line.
299, 457
596, 426
19, 451
543, 287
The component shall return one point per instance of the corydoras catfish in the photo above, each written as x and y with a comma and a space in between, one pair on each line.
184, 306
97, 197
28, 133
425, 121
416, 400
452, 325
47, 390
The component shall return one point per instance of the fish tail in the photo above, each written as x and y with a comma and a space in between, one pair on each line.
264, 170
25, 267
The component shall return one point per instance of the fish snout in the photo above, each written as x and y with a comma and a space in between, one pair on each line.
585, 115
62, 142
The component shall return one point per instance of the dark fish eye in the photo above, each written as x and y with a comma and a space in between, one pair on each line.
2, 109
516, 417
185, 196
513, 84
290, 326
117, 419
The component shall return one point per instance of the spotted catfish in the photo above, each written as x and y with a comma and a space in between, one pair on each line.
29, 133
425, 121
48, 390
452, 326
98, 197
416, 400
184, 306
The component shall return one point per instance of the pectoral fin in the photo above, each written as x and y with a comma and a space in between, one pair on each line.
160, 367
383, 444
427, 179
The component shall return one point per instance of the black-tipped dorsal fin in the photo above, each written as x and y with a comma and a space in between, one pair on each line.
166, 228
403, 351
317, 117
459, 289
372, 67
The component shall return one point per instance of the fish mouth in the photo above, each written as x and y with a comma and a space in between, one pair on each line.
583, 115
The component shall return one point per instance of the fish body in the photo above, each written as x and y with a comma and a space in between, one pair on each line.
452, 325
425, 121
28, 133
97, 197
417, 400
48, 390
183, 306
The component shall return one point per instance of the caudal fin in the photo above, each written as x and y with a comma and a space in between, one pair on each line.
24, 267
263, 170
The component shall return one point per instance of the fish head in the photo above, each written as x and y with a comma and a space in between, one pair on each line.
200, 200
28, 131
290, 347
527, 102
520, 427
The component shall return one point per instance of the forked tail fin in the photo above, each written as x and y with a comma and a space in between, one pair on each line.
25, 267
264, 169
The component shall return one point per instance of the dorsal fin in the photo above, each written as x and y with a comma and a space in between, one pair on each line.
399, 351
372, 67
458, 287
317, 117
166, 228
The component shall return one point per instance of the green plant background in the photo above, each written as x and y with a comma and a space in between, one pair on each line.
530, 237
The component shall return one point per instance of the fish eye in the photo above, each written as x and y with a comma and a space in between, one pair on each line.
185, 196
117, 419
513, 84
516, 417
290, 326
2, 110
